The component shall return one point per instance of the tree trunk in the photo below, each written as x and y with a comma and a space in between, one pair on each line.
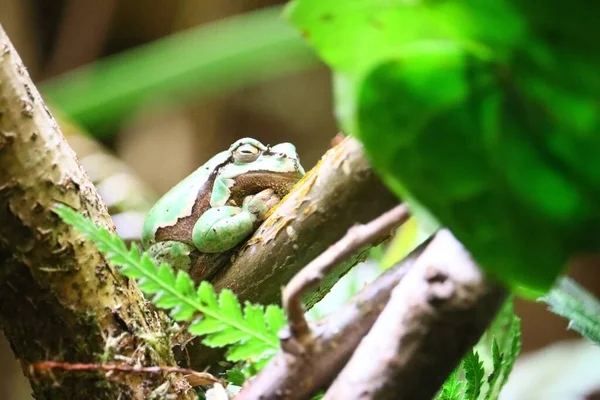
59, 299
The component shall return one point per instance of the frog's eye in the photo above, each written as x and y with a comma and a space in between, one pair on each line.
246, 153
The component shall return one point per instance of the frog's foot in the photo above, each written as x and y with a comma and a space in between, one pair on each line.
174, 253
222, 228
260, 204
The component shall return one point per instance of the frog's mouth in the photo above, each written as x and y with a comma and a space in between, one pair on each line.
254, 182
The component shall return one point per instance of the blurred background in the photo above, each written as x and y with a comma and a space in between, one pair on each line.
164, 85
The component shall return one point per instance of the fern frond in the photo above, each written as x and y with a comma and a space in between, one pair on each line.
506, 346
250, 333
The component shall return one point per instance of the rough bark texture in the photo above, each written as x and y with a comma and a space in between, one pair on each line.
435, 314
59, 299
299, 376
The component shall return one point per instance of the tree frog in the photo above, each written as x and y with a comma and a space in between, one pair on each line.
214, 209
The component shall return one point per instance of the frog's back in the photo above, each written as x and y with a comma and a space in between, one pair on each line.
178, 202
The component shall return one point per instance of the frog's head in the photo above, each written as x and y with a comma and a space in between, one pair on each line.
253, 167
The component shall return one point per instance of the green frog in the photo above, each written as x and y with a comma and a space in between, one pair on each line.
195, 224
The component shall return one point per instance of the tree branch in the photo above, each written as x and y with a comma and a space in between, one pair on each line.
59, 299
339, 192
435, 314
299, 375
310, 276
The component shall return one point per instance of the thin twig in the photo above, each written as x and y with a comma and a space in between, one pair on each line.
195, 378
297, 377
357, 237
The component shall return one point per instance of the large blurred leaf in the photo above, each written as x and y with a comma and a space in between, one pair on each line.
207, 60
471, 110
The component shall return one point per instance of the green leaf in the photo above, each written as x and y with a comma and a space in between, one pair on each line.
165, 274
504, 352
184, 284
182, 312
251, 333
492, 358
225, 337
275, 319
569, 300
474, 373
248, 350
452, 388
206, 295
213, 58
229, 305
165, 300
318, 396
148, 285
255, 317
205, 326
495, 122
235, 377
256, 366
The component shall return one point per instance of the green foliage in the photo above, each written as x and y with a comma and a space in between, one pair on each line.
236, 377
250, 333
318, 396
500, 345
480, 115
474, 373
505, 333
452, 389
569, 300
207, 60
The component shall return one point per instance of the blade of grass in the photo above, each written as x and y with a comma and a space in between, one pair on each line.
213, 58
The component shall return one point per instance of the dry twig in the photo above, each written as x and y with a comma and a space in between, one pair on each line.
310, 276
194, 378
299, 376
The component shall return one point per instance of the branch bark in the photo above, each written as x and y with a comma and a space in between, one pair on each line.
59, 299
310, 276
299, 375
341, 191
435, 314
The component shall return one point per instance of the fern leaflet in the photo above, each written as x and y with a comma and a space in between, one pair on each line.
251, 333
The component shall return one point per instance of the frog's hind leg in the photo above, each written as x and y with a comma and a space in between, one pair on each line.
174, 253
222, 228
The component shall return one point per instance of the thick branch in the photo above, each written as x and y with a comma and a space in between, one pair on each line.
435, 314
299, 375
59, 299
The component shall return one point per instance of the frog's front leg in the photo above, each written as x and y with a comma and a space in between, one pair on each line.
176, 254
222, 228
